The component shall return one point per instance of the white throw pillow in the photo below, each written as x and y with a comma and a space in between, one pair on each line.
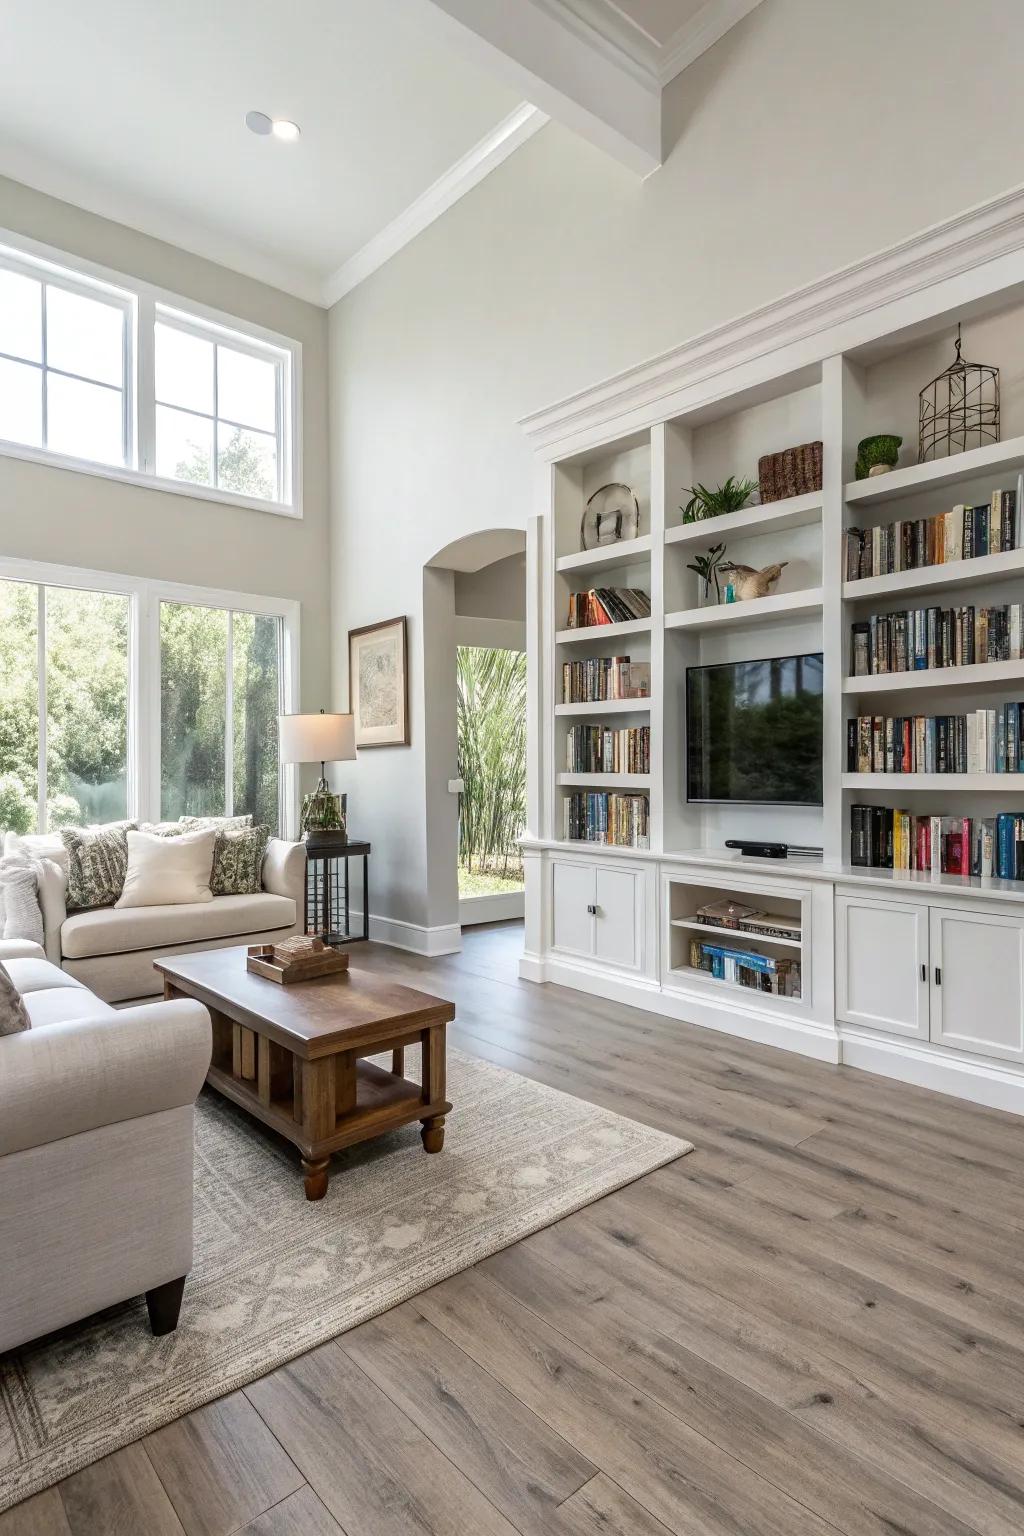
38, 845
167, 871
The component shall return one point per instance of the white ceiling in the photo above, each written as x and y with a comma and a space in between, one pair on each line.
135, 111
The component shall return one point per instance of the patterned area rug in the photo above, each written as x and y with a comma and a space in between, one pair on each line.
275, 1275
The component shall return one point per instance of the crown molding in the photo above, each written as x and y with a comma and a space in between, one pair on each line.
700, 33
465, 174
600, 25
813, 314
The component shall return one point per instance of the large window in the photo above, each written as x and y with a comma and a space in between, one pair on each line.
220, 695
147, 700
64, 688
64, 362
120, 379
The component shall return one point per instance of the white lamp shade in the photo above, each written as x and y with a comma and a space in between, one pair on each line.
317, 738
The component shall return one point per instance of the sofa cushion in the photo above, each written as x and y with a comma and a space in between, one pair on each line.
238, 861
97, 861
40, 845
32, 975
56, 1005
118, 931
168, 871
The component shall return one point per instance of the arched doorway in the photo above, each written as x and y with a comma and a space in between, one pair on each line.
475, 681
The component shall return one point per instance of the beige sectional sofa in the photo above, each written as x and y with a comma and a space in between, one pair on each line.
96, 1136
112, 951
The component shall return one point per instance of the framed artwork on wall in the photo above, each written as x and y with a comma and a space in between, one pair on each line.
378, 684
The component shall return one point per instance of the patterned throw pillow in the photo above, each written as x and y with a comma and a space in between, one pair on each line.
13, 1013
218, 823
238, 861
97, 863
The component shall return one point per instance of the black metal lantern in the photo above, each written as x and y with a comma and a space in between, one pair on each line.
959, 409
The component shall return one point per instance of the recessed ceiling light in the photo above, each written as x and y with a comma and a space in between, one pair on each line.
258, 122
281, 128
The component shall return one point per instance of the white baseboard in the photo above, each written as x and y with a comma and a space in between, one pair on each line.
998, 1085
446, 939
806, 1036
499, 908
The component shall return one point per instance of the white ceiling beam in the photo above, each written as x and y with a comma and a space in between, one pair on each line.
541, 50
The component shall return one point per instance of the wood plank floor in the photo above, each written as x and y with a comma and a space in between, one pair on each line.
813, 1324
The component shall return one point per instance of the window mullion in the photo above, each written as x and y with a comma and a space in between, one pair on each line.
145, 415
41, 796
43, 287
229, 719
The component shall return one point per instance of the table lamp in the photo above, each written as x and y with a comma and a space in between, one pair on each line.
319, 739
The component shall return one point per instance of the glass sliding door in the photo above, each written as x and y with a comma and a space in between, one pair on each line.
220, 695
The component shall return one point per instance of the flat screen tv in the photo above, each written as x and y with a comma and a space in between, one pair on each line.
753, 731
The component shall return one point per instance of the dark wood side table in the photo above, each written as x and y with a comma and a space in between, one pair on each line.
328, 887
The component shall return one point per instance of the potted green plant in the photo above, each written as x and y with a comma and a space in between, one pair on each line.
704, 503
706, 567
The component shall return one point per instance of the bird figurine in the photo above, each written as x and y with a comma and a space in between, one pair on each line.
748, 583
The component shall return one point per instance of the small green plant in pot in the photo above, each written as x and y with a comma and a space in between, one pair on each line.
877, 455
704, 503
706, 567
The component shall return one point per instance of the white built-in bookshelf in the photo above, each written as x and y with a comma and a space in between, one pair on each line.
621, 921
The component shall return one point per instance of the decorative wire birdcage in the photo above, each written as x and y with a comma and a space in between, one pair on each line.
959, 409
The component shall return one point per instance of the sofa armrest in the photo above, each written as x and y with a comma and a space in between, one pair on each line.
53, 890
284, 871
20, 949
62, 1079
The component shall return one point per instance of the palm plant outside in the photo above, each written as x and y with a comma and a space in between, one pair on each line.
492, 764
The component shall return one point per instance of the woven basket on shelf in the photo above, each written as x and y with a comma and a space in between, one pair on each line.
790, 473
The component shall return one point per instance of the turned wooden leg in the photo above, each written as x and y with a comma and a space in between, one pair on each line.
164, 1303
432, 1133
315, 1177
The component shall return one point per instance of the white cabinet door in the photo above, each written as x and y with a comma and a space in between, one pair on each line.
978, 982
574, 897
618, 934
882, 964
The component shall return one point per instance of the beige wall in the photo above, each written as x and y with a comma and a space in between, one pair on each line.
814, 133
84, 520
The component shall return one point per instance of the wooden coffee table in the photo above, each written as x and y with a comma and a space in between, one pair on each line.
293, 1055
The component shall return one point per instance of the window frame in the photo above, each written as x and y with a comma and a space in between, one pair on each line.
30, 258
145, 596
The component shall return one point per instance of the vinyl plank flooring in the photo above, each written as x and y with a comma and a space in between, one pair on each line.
372, 1468
525, 1469
221, 1466
41, 1515
300, 1514
119, 1496
600, 1508
673, 1471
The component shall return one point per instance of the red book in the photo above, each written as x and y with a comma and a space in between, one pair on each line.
923, 851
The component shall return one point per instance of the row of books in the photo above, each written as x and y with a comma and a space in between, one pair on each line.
918, 639
963, 533
598, 816
984, 741
608, 605
745, 968
601, 749
886, 838
600, 678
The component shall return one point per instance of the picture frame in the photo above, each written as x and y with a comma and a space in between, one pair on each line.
378, 683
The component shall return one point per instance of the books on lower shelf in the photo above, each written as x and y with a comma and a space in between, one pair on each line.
918, 639
983, 741
963, 533
728, 913
746, 968
886, 838
602, 816
599, 678
608, 605
604, 749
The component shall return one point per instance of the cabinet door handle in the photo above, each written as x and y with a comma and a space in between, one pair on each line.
924, 971
592, 910
938, 975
